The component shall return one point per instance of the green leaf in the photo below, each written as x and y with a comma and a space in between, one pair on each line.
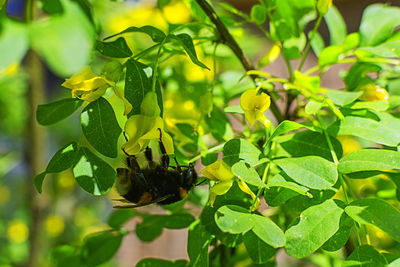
234, 109
336, 26
357, 77
259, 251
249, 175
62, 160
234, 219
150, 228
386, 131
310, 143
64, 41
341, 98
340, 238
137, 84
209, 158
395, 263
370, 160
120, 217
365, 256
317, 44
268, 231
240, 149
178, 220
311, 171
116, 49
258, 14
51, 113
317, 224
279, 181
101, 247
373, 33
378, 213
187, 43
52, 6
149, 262
14, 42
155, 34
219, 125
198, 243
100, 127
313, 107
38, 181
284, 127
380, 105
295, 14
330, 55
92, 173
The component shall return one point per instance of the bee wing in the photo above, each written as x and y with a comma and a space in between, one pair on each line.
125, 204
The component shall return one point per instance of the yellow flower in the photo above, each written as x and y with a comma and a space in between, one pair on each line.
373, 92
254, 107
221, 172
177, 13
54, 225
141, 129
218, 171
86, 85
17, 231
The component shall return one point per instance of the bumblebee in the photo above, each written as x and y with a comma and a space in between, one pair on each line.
157, 183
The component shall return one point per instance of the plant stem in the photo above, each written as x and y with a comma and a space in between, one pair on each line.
37, 147
264, 180
307, 50
215, 148
144, 52
227, 38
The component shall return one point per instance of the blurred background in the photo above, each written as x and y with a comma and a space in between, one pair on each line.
35, 60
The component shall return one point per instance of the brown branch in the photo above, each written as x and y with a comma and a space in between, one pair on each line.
227, 39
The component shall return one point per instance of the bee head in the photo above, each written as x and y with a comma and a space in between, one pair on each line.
189, 177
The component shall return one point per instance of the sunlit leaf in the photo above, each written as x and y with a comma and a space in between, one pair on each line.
56, 111
317, 224
100, 127
378, 213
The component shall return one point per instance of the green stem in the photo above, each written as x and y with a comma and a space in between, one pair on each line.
215, 68
155, 71
215, 148
29, 9
312, 34
264, 180
144, 52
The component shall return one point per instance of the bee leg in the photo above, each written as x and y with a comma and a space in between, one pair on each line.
149, 156
126, 138
164, 157
133, 164
178, 167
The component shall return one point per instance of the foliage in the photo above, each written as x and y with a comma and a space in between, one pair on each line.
287, 181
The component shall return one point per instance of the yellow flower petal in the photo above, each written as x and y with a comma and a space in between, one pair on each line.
218, 171
243, 186
127, 105
141, 129
254, 106
220, 189
373, 92
86, 85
